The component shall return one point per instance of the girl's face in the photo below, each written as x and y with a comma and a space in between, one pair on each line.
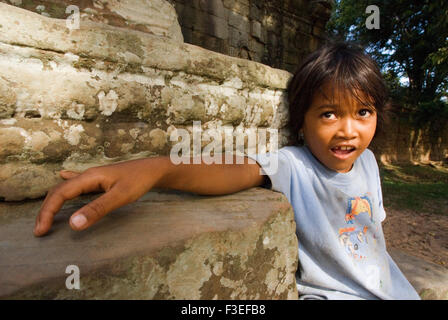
338, 131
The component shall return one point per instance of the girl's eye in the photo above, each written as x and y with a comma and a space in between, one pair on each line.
328, 115
365, 113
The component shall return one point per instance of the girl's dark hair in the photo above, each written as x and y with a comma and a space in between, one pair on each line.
345, 66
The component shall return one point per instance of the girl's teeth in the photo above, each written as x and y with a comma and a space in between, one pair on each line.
344, 148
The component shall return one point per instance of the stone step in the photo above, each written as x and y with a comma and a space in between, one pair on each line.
429, 279
166, 245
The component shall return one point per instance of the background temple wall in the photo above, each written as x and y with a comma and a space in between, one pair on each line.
275, 32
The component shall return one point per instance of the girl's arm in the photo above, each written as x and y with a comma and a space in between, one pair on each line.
125, 182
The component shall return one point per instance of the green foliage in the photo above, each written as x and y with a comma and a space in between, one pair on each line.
396, 90
412, 42
440, 59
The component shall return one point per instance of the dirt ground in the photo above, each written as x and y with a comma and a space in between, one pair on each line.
419, 234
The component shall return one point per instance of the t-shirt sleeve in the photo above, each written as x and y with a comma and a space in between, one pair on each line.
277, 166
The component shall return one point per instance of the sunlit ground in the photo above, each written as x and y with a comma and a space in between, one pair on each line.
422, 188
416, 203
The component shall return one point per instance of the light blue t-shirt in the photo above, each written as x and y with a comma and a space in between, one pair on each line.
342, 251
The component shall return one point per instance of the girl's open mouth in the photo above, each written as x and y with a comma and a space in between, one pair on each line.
343, 152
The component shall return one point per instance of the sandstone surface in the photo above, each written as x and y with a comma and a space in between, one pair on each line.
166, 245
77, 98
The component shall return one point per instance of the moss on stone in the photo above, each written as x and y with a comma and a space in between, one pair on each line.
84, 63
168, 255
128, 41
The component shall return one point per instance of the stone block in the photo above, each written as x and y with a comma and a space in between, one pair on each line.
238, 6
65, 94
256, 46
239, 22
255, 13
166, 245
428, 279
201, 21
156, 17
238, 38
216, 44
218, 28
152, 51
272, 39
234, 52
214, 7
41, 140
255, 29
290, 57
302, 25
256, 56
272, 22
264, 35
187, 16
210, 25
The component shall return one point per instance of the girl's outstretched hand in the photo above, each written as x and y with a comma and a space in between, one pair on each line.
122, 183
125, 182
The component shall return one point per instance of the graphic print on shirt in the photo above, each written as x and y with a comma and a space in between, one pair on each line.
354, 236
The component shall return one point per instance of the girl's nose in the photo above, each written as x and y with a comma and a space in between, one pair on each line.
347, 129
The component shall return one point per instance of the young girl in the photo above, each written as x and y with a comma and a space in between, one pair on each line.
336, 100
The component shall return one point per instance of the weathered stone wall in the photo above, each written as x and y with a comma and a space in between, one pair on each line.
278, 33
76, 98
402, 141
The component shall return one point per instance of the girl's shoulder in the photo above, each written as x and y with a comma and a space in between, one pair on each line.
299, 157
292, 150
368, 156
368, 163
293, 153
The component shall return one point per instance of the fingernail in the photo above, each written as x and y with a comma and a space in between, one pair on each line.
79, 220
